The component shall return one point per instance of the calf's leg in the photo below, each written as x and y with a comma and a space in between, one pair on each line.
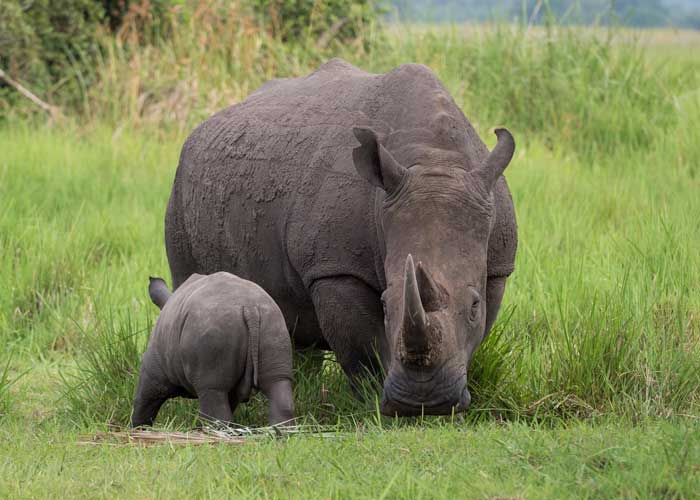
214, 406
150, 396
281, 400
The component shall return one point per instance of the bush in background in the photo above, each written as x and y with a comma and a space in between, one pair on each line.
117, 12
51, 44
55, 47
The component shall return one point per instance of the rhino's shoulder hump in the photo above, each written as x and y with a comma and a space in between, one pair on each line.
415, 73
270, 85
334, 69
338, 65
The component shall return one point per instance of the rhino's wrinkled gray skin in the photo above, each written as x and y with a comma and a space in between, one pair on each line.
217, 338
343, 191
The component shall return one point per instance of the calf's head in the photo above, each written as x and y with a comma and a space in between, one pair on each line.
436, 219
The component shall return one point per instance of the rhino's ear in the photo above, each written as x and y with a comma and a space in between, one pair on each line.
374, 162
499, 158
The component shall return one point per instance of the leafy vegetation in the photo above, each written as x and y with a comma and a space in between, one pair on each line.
64, 50
46, 41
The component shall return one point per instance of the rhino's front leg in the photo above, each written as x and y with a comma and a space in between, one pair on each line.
352, 322
494, 295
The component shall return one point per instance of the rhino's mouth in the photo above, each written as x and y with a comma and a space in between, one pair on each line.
393, 407
396, 401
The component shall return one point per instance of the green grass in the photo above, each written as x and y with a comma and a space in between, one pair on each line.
581, 460
590, 380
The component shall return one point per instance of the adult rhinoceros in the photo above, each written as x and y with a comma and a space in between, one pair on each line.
369, 209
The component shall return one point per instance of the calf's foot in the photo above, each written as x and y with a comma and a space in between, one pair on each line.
214, 406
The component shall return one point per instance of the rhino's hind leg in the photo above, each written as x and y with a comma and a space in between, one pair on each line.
214, 406
352, 322
177, 244
281, 401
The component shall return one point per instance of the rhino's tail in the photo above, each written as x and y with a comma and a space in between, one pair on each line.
158, 291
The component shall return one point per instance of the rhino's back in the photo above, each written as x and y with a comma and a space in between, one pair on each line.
288, 134
260, 181
267, 188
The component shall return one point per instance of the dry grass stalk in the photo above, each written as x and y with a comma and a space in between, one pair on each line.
53, 111
151, 437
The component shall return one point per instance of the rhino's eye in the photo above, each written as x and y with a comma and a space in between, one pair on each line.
475, 310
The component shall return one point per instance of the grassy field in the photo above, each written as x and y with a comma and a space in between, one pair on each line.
589, 386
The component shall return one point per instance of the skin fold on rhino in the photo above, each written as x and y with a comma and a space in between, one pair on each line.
369, 209
217, 338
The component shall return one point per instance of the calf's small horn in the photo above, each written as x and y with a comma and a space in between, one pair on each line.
415, 321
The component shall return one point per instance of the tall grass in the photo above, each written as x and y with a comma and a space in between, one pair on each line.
554, 83
102, 388
602, 315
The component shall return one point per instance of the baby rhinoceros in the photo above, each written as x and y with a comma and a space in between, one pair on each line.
218, 337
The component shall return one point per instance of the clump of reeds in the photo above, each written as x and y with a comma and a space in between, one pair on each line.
4, 387
6, 381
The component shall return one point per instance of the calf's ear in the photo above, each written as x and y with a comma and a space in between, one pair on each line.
374, 162
158, 291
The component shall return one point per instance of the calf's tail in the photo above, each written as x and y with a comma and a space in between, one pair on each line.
158, 291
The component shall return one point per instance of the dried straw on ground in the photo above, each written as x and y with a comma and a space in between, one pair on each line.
225, 435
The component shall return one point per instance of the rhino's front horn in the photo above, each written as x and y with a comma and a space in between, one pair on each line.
499, 158
415, 321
